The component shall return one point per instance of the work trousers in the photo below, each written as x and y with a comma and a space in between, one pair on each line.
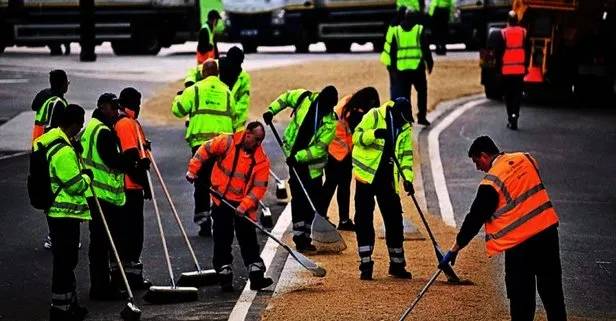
133, 235
338, 175
225, 223
534, 266
65, 235
440, 29
302, 213
391, 210
100, 253
202, 190
513, 86
400, 83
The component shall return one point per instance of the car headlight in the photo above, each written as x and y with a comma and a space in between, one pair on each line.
278, 17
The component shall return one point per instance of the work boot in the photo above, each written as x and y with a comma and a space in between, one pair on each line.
78, 311
225, 278
346, 225
303, 244
512, 122
366, 271
423, 121
397, 270
258, 281
206, 228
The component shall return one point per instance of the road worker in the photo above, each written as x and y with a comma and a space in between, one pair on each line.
238, 80
211, 108
383, 133
440, 11
339, 169
206, 46
305, 143
415, 5
240, 177
520, 221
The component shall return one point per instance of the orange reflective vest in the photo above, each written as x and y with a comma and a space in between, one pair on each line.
524, 207
342, 144
203, 56
237, 175
126, 129
513, 58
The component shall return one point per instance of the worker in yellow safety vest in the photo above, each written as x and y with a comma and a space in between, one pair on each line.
441, 11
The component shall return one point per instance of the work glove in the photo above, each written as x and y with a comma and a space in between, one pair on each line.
408, 188
268, 117
77, 146
88, 172
147, 145
380, 133
190, 177
291, 161
449, 258
144, 164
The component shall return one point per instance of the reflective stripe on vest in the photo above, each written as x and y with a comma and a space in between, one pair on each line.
513, 58
44, 113
524, 207
409, 48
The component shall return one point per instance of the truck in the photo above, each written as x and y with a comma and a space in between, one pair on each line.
132, 26
571, 49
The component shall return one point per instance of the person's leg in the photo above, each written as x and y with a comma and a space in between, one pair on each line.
331, 182
298, 207
508, 95
343, 195
421, 86
549, 274
98, 253
520, 283
134, 239
202, 197
223, 239
391, 210
517, 86
249, 246
314, 187
364, 227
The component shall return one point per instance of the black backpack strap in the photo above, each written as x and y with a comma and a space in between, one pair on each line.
300, 100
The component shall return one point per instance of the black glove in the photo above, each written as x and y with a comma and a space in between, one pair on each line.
88, 172
408, 187
449, 258
144, 164
77, 147
268, 117
291, 161
380, 133
147, 144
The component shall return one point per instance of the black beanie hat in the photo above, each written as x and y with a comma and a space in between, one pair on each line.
328, 97
130, 97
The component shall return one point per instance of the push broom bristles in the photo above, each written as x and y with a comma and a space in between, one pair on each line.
325, 236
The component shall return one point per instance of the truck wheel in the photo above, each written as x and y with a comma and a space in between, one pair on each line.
249, 47
378, 46
2, 47
493, 92
337, 46
122, 47
147, 44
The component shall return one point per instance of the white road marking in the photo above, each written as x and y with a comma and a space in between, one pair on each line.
13, 155
240, 310
438, 175
13, 81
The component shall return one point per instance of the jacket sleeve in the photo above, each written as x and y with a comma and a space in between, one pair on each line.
483, 207
191, 75
67, 170
364, 132
242, 100
184, 103
107, 146
288, 99
56, 113
250, 202
405, 154
317, 150
393, 49
425, 50
214, 147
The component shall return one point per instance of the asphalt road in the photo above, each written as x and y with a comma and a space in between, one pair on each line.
575, 149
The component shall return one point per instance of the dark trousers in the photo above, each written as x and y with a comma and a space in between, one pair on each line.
65, 235
513, 86
99, 253
338, 175
534, 266
302, 213
440, 29
400, 83
202, 190
391, 210
225, 223
133, 234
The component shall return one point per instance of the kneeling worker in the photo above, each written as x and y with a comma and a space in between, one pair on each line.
240, 176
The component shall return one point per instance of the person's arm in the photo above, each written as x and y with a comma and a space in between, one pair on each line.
242, 99
405, 155
393, 49
288, 99
67, 170
484, 205
364, 132
250, 203
192, 76
426, 52
216, 146
183, 103
317, 150
57, 109
107, 146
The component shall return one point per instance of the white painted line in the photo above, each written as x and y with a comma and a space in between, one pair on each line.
13, 155
438, 175
13, 81
240, 310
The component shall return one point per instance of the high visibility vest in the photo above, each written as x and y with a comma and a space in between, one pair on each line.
241, 96
524, 207
108, 183
211, 109
444, 4
342, 144
513, 58
389, 38
368, 150
237, 175
194, 74
42, 118
409, 53
413, 5
203, 56
66, 178
315, 155
128, 131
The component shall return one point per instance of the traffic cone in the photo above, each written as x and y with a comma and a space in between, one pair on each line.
534, 75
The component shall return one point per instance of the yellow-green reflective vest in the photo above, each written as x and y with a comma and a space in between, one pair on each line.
209, 32
108, 183
194, 74
409, 48
315, 155
241, 95
65, 175
211, 109
389, 38
43, 114
409, 4
446, 4
367, 149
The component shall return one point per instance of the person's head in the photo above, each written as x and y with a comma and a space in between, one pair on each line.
328, 98
58, 81
512, 18
130, 98
253, 136
401, 112
410, 16
108, 105
235, 55
72, 120
483, 150
359, 104
212, 18
210, 68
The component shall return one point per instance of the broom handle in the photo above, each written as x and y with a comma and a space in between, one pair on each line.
293, 170
175, 212
420, 295
275, 176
